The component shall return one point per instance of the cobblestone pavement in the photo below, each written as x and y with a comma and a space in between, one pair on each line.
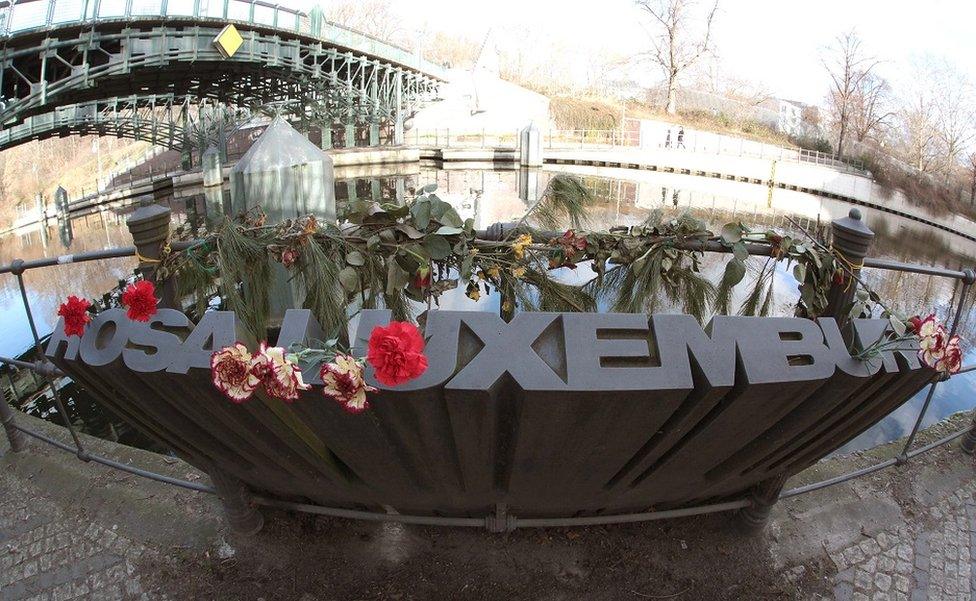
46, 555
932, 560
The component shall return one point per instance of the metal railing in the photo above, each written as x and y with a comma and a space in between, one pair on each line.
594, 139
25, 16
497, 522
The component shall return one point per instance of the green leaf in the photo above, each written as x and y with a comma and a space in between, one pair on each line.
438, 247
373, 242
429, 188
349, 278
447, 230
800, 272
396, 277
897, 325
450, 217
467, 264
438, 207
735, 270
731, 233
739, 251
355, 258
421, 214
410, 231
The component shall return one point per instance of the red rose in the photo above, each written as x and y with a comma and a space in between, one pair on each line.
140, 300
75, 314
396, 352
421, 279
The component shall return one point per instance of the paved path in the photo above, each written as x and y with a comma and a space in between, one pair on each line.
931, 559
47, 555
74, 531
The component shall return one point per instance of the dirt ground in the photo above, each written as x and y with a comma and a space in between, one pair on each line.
311, 557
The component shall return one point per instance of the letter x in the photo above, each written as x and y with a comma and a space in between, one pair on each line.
508, 348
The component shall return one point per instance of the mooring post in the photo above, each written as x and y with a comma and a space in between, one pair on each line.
762, 497
213, 182
238, 503
149, 226
850, 241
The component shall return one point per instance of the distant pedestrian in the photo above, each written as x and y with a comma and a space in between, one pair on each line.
681, 137
667, 139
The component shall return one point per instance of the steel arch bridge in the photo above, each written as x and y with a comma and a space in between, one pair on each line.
119, 67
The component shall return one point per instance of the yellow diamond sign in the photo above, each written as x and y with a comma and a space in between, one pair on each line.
228, 41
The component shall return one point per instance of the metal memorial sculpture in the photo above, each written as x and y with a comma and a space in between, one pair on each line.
547, 413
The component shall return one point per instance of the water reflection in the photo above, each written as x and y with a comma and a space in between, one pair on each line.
624, 197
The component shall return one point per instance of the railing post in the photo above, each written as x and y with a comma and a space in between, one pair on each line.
762, 497
851, 240
18, 441
237, 502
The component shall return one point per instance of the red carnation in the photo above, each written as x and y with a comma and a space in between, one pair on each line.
396, 352
140, 300
915, 324
75, 314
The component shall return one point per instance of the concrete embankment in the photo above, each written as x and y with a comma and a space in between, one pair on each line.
825, 181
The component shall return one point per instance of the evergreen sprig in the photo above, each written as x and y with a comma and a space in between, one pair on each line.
389, 254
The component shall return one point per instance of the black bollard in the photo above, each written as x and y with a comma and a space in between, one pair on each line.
851, 240
149, 226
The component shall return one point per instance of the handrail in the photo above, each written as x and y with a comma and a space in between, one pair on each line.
703, 246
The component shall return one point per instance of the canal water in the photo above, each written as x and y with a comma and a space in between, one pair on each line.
623, 197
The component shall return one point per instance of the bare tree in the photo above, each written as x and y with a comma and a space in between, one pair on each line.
919, 136
377, 18
848, 67
870, 114
676, 46
972, 178
954, 114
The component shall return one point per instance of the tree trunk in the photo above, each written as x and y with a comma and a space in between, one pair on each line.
841, 136
672, 104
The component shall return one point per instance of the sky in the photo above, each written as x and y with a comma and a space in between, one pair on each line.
775, 42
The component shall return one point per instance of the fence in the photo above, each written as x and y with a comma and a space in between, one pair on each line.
651, 136
755, 506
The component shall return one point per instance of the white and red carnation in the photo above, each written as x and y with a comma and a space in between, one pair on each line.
345, 381
281, 377
232, 371
951, 360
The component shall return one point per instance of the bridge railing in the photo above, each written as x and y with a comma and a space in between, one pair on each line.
24, 16
582, 139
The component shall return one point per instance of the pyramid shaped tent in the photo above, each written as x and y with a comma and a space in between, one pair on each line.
285, 175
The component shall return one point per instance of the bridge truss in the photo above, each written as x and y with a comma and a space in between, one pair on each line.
75, 75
